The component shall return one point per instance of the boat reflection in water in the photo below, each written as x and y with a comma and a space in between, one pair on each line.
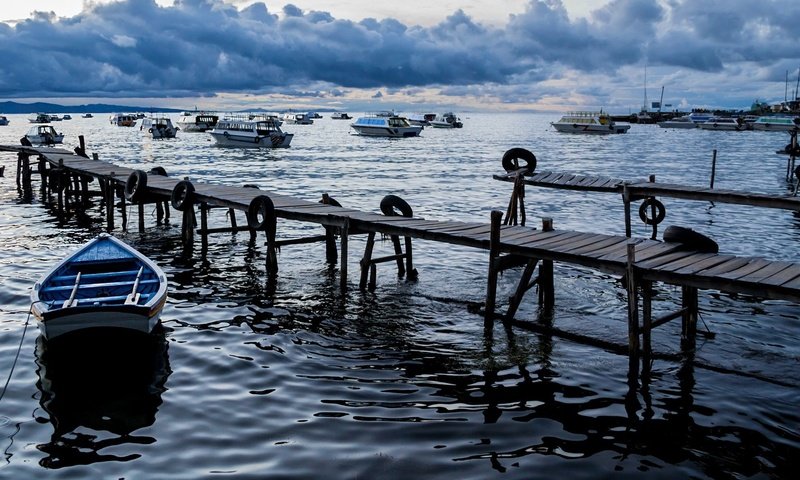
96, 381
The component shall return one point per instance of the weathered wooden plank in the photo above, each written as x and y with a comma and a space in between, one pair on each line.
712, 260
590, 241
655, 261
546, 238
753, 265
600, 245
725, 267
784, 276
766, 272
563, 243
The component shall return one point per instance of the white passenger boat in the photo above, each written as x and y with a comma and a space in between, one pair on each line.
446, 120
340, 116
123, 119
197, 121
44, 135
722, 123
106, 283
700, 117
297, 118
776, 124
597, 123
678, 122
159, 127
250, 133
395, 127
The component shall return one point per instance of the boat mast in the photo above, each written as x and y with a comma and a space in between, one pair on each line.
644, 105
661, 100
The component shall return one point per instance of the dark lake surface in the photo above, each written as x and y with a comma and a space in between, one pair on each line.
292, 379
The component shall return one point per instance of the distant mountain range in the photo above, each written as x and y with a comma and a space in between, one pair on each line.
14, 107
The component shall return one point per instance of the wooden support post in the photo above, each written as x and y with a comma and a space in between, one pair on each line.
204, 224
412, 272
523, 286
109, 197
689, 317
398, 250
166, 211
272, 249
345, 231
187, 226
647, 325
366, 261
626, 201
26, 172
20, 156
159, 212
653, 213
43, 172
141, 217
232, 215
547, 294
633, 310
123, 206
713, 167
331, 255
491, 283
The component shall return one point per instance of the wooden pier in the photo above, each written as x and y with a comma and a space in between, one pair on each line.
640, 262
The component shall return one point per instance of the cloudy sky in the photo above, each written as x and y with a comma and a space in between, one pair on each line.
514, 55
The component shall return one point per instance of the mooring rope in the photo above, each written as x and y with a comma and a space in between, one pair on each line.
16, 357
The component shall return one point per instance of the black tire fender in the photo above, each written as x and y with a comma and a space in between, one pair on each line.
136, 186
260, 212
182, 195
644, 209
394, 206
511, 160
690, 239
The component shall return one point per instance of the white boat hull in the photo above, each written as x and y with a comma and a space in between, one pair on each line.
228, 139
726, 127
40, 140
390, 132
144, 320
771, 127
684, 125
590, 129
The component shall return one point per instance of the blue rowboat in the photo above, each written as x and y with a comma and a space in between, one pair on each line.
106, 283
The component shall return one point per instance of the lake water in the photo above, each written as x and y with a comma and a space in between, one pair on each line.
292, 379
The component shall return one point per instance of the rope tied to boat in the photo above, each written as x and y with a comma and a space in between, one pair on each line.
19, 349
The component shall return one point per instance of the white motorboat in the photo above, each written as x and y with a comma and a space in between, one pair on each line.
722, 123
700, 117
678, 122
394, 127
197, 121
123, 120
250, 133
596, 123
340, 116
297, 118
776, 124
446, 120
44, 135
66, 116
39, 118
106, 283
423, 119
87, 115
159, 127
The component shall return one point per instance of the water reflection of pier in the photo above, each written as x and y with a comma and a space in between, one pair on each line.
96, 381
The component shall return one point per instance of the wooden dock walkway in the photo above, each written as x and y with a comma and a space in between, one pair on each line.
641, 262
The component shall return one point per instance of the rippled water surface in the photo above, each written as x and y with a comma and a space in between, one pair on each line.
255, 378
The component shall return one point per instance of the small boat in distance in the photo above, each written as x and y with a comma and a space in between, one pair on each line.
340, 116
678, 122
44, 135
39, 118
66, 116
722, 123
123, 120
197, 121
776, 124
4, 120
234, 132
105, 283
596, 123
159, 127
393, 127
446, 120
87, 115
297, 118
423, 119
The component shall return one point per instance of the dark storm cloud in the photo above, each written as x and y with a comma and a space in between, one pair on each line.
199, 47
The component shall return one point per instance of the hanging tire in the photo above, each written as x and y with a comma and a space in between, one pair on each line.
260, 212
136, 186
690, 239
394, 206
644, 209
158, 171
511, 161
182, 195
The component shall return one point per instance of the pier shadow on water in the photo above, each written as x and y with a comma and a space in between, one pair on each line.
99, 386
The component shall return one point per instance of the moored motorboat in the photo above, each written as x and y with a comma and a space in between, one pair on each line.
722, 123
123, 120
3, 120
87, 115
39, 118
393, 127
105, 283
776, 124
197, 121
678, 122
44, 135
446, 120
297, 118
234, 132
597, 123
159, 127
340, 116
